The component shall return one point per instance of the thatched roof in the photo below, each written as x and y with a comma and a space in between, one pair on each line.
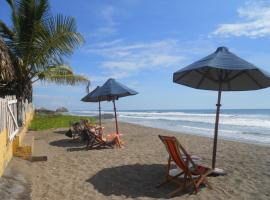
6, 67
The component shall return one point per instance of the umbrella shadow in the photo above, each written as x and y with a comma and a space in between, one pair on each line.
76, 149
85, 148
61, 131
67, 143
133, 181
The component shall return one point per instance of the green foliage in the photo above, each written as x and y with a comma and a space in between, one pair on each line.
39, 42
52, 121
61, 74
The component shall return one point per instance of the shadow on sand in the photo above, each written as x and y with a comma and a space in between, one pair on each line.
73, 145
61, 131
76, 149
67, 143
133, 181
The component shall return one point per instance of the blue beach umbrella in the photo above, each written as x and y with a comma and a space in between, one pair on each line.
111, 90
222, 71
89, 98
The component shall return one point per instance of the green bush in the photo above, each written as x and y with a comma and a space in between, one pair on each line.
45, 122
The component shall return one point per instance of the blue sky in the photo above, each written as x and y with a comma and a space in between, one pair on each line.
141, 43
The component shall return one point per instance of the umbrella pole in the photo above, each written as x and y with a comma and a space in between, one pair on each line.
216, 130
115, 117
99, 109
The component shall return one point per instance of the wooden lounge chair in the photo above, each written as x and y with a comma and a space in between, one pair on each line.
196, 174
93, 135
89, 126
98, 141
76, 129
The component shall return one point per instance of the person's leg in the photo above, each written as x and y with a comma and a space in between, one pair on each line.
113, 137
117, 140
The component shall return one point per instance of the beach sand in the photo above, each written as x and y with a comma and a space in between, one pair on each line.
133, 171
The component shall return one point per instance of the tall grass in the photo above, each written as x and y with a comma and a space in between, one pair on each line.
52, 121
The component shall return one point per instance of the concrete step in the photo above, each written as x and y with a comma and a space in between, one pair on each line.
38, 147
24, 152
28, 139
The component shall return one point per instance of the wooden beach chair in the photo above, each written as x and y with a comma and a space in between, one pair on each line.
97, 138
89, 126
76, 130
96, 142
196, 174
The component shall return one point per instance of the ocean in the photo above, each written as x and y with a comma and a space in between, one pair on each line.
245, 125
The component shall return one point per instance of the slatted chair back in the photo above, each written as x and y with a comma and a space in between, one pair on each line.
183, 160
172, 147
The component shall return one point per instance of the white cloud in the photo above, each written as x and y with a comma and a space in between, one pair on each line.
111, 74
107, 16
254, 21
121, 59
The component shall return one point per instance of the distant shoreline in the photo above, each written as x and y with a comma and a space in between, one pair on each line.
250, 126
191, 109
198, 135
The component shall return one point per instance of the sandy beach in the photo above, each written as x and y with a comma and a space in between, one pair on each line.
133, 171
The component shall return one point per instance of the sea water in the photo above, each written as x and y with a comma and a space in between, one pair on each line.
246, 125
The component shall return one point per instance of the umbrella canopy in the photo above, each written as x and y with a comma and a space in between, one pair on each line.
111, 90
222, 71
89, 98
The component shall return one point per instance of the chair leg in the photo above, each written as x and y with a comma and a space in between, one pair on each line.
168, 179
185, 180
171, 194
195, 186
201, 180
208, 184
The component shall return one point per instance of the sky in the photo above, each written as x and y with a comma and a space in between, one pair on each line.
142, 43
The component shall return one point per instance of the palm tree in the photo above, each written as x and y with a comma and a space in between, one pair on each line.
38, 43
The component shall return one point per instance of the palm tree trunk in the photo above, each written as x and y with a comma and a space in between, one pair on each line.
24, 92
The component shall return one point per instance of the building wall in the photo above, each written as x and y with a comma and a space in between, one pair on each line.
6, 151
7, 148
28, 118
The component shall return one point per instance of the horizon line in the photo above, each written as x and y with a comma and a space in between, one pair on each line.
179, 109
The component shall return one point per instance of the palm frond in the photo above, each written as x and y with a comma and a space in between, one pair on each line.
62, 75
13, 8
58, 38
38, 42
28, 28
5, 31
60, 70
42, 10
70, 79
